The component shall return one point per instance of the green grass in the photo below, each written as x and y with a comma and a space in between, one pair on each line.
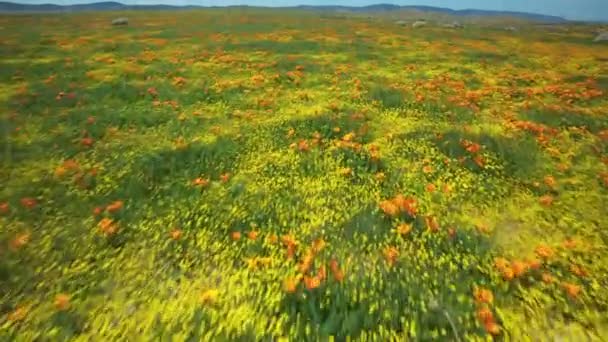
137, 161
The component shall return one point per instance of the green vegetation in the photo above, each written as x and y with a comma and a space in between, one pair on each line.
258, 174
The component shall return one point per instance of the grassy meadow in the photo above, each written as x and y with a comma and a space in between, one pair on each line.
265, 175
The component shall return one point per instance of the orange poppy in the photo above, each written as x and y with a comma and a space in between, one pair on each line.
391, 254
107, 226
18, 314
544, 251
28, 202
312, 283
87, 142
431, 223
115, 206
507, 273
290, 285
519, 268
404, 229
97, 211
427, 169
550, 181
4, 208
20, 240
202, 182
430, 188
318, 245
225, 177
484, 315
546, 200
501, 263
492, 328
235, 236
389, 208
252, 235
547, 278
303, 146
570, 243
62, 302
483, 295
572, 290
175, 234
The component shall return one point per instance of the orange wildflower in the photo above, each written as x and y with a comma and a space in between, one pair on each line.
534, 264
431, 188
115, 206
547, 278
235, 236
391, 254
252, 235
404, 229
225, 177
107, 226
28, 202
550, 181
91, 120
18, 314
572, 290
290, 285
492, 328
431, 223
479, 161
175, 234
318, 245
407, 205
97, 211
484, 315
87, 142
389, 208
4, 208
311, 283
544, 251
451, 232
507, 273
306, 262
519, 268
578, 270
322, 273
427, 169
272, 238
483, 295
569, 244
202, 182
303, 146
20, 240
546, 200
501, 263
335, 270
62, 302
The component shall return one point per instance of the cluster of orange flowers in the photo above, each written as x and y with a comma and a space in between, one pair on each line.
399, 204
516, 268
483, 300
108, 226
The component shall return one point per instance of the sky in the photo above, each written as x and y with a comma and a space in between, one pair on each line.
570, 9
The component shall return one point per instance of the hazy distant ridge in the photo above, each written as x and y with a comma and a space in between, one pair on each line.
114, 6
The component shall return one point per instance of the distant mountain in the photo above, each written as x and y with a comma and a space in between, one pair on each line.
466, 12
115, 6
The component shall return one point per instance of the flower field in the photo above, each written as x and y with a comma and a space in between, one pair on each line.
232, 174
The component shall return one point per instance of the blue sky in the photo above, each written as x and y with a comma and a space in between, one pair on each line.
571, 9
